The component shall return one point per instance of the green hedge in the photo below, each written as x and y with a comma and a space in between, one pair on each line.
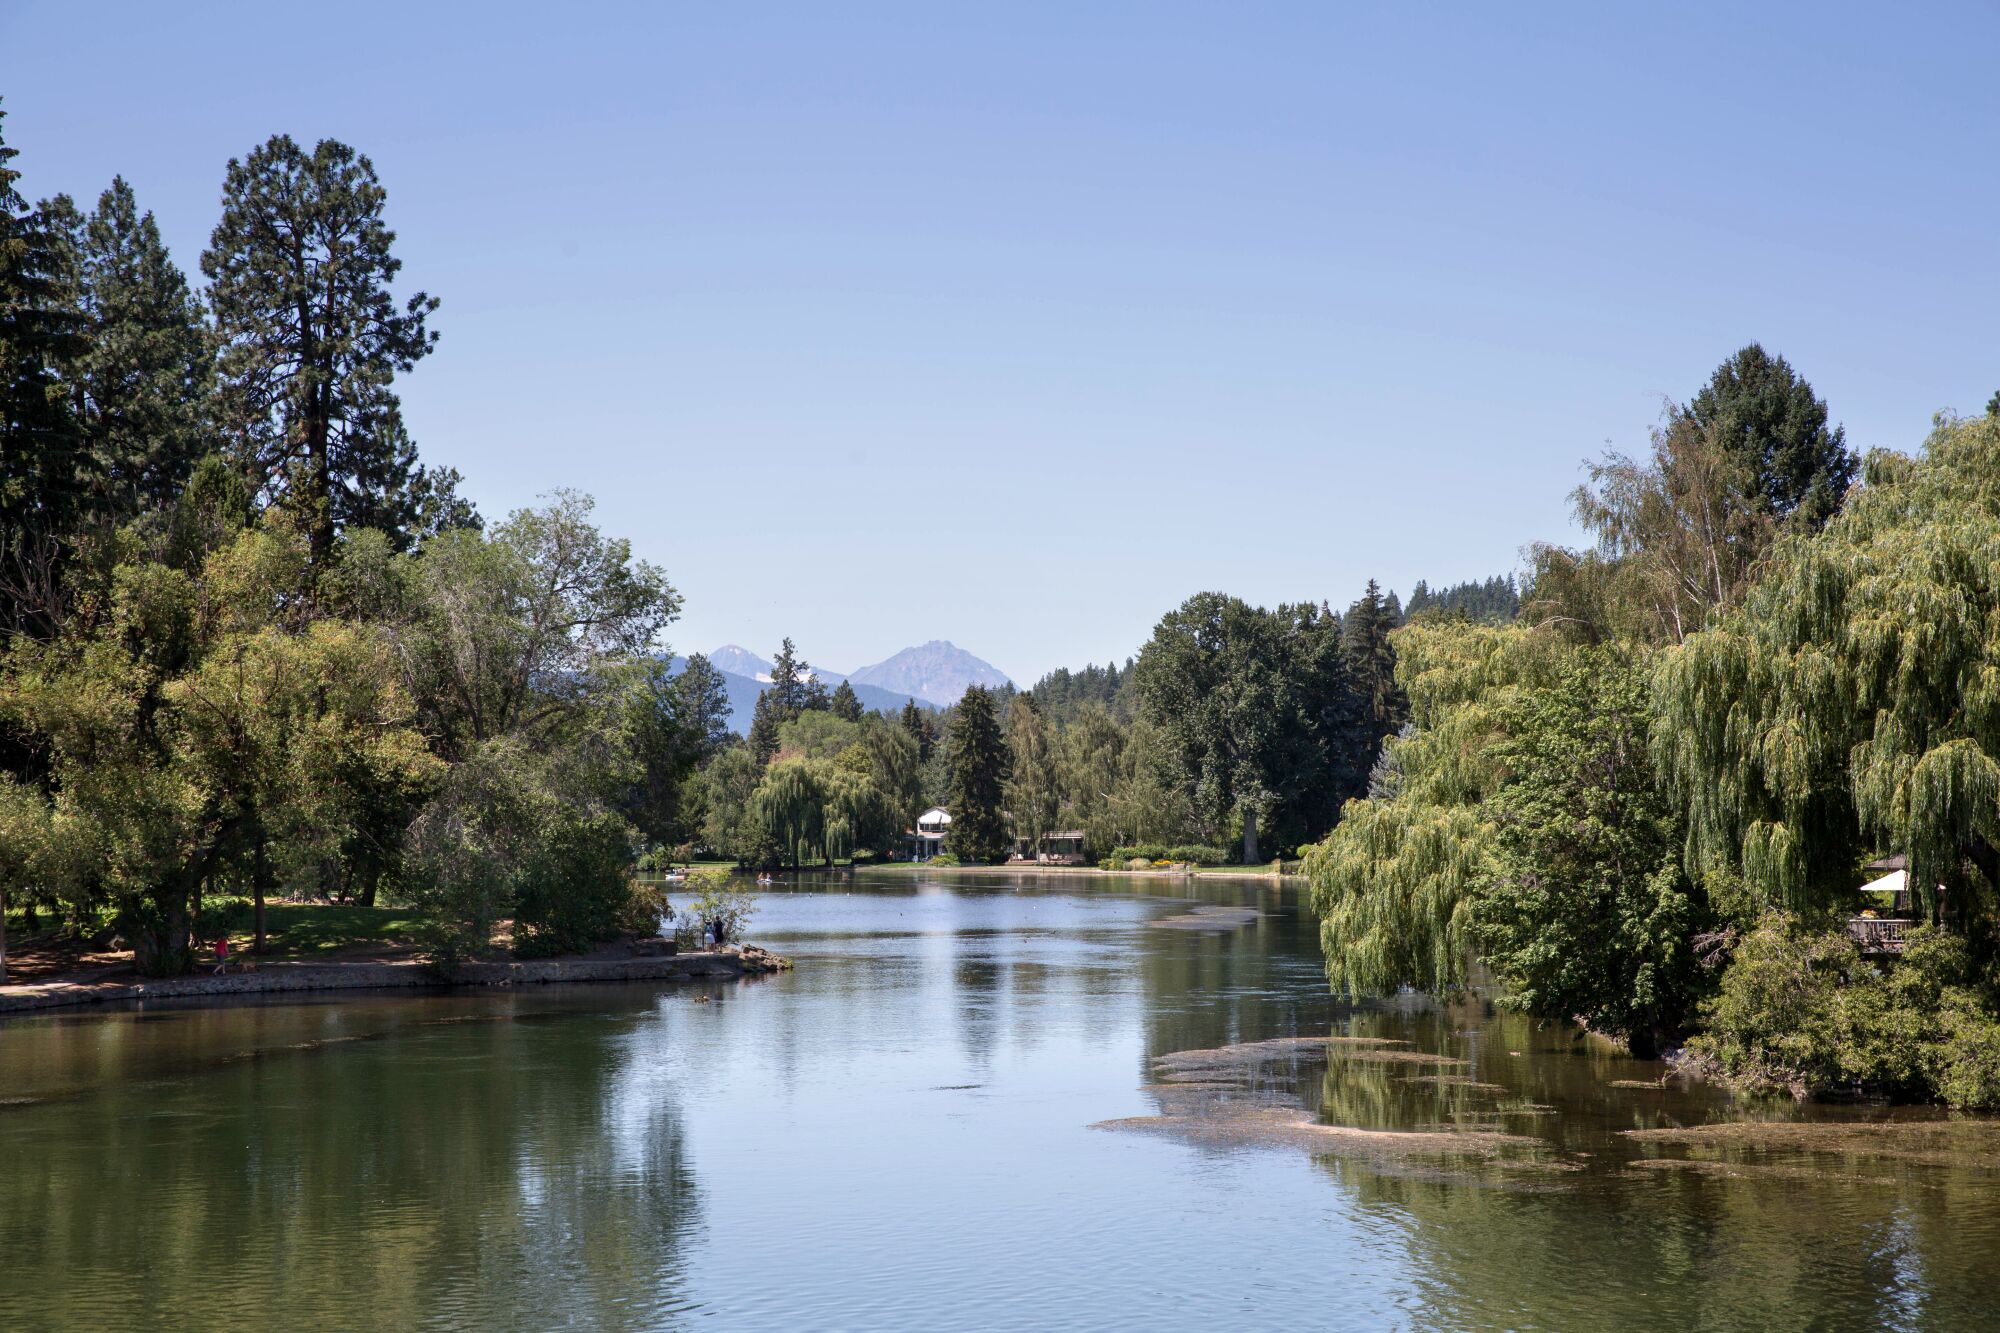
1191, 853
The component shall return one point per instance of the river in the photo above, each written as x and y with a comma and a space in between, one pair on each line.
1010, 1102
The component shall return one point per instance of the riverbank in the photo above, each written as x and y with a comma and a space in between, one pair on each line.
272, 978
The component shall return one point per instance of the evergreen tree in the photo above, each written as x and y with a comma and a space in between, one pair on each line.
790, 686
977, 759
917, 722
846, 704
764, 724
45, 468
1372, 661
147, 378
300, 270
1769, 417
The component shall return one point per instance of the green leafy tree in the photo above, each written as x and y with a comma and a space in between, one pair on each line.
204, 725
976, 756
512, 630
846, 704
1769, 418
1584, 911
1034, 785
1260, 713
1680, 535
300, 269
1394, 884
1853, 701
729, 828
790, 807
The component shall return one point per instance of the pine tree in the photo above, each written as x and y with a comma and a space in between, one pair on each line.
977, 758
846, 704
147, 377
1371, 661
917, 722
300, 270
1769, 417
788, 688
45, 468
764, 722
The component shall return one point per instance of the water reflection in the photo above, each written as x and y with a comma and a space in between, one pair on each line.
385, 1164
897, 1135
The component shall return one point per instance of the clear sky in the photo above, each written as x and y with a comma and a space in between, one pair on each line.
1016, 324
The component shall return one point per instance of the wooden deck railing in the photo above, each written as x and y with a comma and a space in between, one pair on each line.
1878, 934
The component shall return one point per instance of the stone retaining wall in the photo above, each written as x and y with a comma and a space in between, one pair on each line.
275, 978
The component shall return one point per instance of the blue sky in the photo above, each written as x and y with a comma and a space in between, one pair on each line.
1017, 324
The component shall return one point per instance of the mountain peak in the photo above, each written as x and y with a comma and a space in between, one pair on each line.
938, 672
740, 662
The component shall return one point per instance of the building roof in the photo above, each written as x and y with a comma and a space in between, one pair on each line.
1068, 835
935, 815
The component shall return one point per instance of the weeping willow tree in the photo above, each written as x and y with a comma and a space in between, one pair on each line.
789, 806
1393, 883
1853, 701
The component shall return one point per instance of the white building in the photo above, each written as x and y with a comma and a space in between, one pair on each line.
928, 840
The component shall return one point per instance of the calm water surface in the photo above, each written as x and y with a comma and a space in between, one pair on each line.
899, 1134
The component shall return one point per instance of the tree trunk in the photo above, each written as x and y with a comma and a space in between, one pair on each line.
1250, 857
368, 890
163, 948
3, 935
260, 879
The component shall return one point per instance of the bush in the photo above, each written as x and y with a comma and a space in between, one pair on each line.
1800, 1011
716, 897
575, 890
1154, 853
942, 859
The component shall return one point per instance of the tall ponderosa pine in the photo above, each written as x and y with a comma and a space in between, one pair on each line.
300, 272
793, 688
45, 467
846, 704
977, 758
1769, 417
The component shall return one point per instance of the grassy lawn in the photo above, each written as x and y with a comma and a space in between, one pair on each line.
301, 930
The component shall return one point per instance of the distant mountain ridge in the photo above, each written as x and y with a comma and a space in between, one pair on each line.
937, 673
743, 689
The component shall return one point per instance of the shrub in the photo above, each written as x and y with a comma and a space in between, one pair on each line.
575, 889
647, 909
943, 859
716, 897
1800, 1010
1154, 853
